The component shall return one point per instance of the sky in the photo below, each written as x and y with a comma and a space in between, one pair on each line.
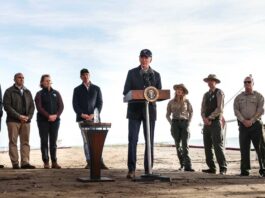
189, 40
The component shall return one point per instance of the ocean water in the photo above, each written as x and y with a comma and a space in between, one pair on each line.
232, 142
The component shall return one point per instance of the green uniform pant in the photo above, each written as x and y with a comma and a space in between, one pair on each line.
246, 135
213, 140
180, 133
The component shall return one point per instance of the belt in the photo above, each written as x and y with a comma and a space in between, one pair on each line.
179, 120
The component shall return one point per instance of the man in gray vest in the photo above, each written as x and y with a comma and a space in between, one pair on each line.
211, 112
248, 108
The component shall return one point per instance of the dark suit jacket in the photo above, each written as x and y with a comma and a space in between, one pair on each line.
85, 101
1, 107
135, 81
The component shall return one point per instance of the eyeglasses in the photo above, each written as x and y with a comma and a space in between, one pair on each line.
247, 82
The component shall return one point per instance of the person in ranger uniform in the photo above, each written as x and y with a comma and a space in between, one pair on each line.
211, 112
181, 110
248, 108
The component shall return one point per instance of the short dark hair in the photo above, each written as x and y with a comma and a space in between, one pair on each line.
17, 74
146, 53
42, 79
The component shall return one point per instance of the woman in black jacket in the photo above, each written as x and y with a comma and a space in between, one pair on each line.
50, 106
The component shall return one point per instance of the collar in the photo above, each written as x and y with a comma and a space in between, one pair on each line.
46, 89
246, 93
19, 88
212, 91
87, 86
149, 68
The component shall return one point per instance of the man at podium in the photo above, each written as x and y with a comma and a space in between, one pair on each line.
138, 79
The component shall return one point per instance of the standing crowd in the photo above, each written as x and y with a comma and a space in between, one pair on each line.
87, 98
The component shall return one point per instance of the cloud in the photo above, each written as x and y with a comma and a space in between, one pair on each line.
189, 40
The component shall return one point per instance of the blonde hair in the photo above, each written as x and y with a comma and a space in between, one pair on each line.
180, 99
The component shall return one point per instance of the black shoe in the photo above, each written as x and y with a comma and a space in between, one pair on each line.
103, 166
210, 171
87, 164
15, 166
27, 166
262, 172
181, 168
2, 166
244, 173
223, 172
130, 175
189, 169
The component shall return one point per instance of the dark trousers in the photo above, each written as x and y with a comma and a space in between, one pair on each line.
180, 133
134, 128
48, 134
262, 144
213, 139
246, 135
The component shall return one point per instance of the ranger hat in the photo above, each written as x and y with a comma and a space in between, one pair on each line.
182, 86
211, 77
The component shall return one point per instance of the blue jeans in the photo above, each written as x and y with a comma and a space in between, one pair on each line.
134, 128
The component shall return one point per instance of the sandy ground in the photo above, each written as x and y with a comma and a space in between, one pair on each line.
63, 183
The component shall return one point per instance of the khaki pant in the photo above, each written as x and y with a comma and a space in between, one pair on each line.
22, 130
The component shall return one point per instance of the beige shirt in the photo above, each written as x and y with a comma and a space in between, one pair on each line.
179, 111
249, 106
220, 106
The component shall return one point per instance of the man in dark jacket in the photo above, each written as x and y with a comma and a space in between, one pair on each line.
1, 114
87, 98
138, 79
19, 106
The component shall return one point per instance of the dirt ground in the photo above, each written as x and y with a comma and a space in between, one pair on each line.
63, 183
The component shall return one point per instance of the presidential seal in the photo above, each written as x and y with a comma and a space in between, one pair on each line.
151, 94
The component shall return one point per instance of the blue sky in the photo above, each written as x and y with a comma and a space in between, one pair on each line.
189, 39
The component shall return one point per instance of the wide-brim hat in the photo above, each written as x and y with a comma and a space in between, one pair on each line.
182, 86
211, 77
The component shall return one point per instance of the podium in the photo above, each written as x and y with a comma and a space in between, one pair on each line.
95, 134
150, 94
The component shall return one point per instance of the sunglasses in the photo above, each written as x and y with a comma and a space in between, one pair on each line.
247, 82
